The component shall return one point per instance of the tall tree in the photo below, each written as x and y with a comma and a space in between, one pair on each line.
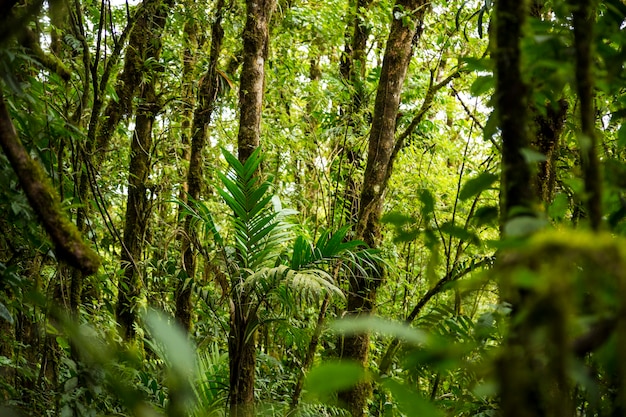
137, 204
241, 340
407, 16
207, 96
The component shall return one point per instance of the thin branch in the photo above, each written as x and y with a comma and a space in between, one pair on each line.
451, 276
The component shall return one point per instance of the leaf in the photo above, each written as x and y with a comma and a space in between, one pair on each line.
333, 376
485, 215
458, 232
5, 314
482, 85
477, 185
171, 343
379, 325
410, 402
559, 206
523, 226
428, 202
532, 157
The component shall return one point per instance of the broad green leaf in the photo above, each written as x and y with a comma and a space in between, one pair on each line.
428, 202
621, 136
559, 206
523, 226
171, 343
5, 314
410, 402
481, 85
333, 376
531, 156
477, 185
379, 325
396, 218
458, 232
485, 215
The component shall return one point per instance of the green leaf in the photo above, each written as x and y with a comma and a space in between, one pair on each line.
559, 206
458, 232
485, 215
477, 64
171, 343
333, 376
428, 203
477, 185
523, 226
379, 325
410, 402
531, 156
5, 314
482, 85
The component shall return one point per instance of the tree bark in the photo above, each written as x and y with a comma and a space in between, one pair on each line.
44, 200
512, 104
148, 27
252, 79
207, 96
584, 19
362, 290
241, 344
137, 203
519, 396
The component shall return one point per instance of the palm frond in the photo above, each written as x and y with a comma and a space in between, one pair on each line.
258, 230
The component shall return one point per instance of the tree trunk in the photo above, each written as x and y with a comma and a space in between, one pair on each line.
584, 19
362, 291
252, 79
148, 27
519, 396
241, 345
207, 95
512, 104
137, 204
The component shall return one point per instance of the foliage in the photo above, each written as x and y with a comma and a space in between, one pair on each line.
455, 293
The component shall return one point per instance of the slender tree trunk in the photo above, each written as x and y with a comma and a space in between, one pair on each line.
584, 19
207, 96
362, 291
148, 27
241, 344
548, 127
137, 204
252, 79
519, 393
512, 104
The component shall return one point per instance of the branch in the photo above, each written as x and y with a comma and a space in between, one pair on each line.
44, 200
451, 276
29, 40
428, 101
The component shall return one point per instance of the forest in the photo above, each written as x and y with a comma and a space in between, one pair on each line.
313, 208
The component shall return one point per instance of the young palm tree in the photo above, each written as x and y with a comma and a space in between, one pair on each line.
263, 261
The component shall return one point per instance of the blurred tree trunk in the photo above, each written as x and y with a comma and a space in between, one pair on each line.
548, 123
362, 290
137, 204
584, 13
207, 95
520, 394
241, 344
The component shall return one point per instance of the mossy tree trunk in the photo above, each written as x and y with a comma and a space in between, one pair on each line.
520, 392
241, 344
137, 203
362, 289
207, 96
584, 21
